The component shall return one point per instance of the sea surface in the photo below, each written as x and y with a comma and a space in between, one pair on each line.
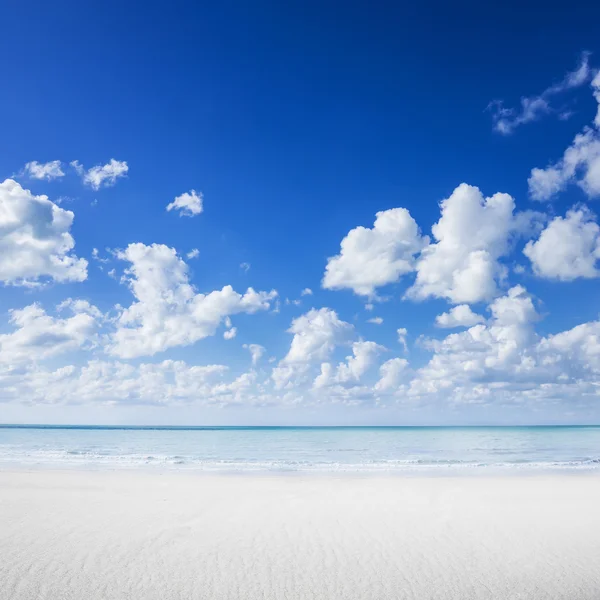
304, 449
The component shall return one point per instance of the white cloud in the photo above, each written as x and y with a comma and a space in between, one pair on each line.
375, 320
506, 120
245, 266
230, 333
472, 234
189, 204
372, 258
80, 306
402, 333
306, 292
38, 336
47, 171
194, 253
568, 248
256, 352
35, 239
362, 358
101, 175
580, 163
96, 256
505, 361
391, 374
484, 351
163, 383
168, 310
459, 316
316, 333
501, 361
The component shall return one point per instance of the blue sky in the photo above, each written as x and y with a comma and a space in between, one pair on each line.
286, 128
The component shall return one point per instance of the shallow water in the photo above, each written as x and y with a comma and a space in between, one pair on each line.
313, 449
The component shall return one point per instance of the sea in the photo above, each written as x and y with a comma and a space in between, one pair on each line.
303, 449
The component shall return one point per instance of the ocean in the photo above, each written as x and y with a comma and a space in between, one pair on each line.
303, 449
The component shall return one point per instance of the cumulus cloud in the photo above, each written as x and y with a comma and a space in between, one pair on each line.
35, 239
473, 233
568, 248
256, 352
402, 333
306, 292
502, 360
316, 333
168, 310
101, 175
532, 108
230, 333
47, 171
391, 374
506, 361
484, 351
80, 306
193, 253
97, 381
375, 320
39, 336
458, 316
362, 358
372, 258
189, 204
580, 163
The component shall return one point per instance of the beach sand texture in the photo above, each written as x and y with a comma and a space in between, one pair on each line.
140, 536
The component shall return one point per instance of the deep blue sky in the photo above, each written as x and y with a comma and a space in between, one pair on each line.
298, 121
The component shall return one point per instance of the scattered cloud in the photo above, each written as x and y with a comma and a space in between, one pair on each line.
372, 258
189, 204
39, 336
533, 108
168, 311
473, 233
402, 333
580, 163
306, 292
375, 320
316, 334
458, 316
362, 358
35, 239
96, 256
230, 333
46, 171
568, 248
101, 175
245, 267
391, 374
194, 253
256, 352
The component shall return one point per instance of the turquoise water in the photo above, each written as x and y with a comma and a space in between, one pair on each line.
303, 449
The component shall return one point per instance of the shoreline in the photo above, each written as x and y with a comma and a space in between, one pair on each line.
523, 471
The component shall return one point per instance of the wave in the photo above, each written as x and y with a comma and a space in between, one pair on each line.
102, 459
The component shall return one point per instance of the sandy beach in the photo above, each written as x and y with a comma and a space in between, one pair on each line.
136, 535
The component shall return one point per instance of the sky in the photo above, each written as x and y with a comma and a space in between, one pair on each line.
299, 213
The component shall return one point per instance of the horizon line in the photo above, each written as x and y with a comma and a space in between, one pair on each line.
208, 427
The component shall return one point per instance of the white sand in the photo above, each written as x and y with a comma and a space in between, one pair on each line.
104, 536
